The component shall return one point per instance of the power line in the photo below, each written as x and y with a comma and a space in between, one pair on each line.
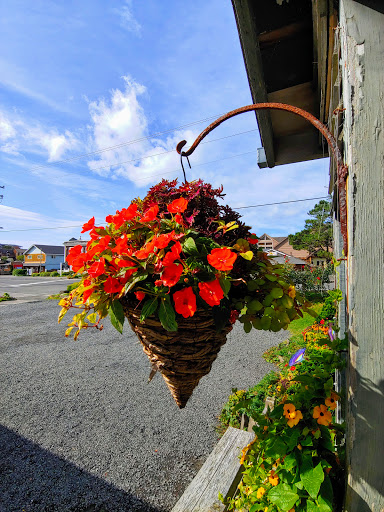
251, 206
134, 141
280, 202
170, 151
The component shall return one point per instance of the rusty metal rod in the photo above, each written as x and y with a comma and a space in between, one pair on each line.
342, 169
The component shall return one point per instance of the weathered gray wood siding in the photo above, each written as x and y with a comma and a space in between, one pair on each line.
362, 53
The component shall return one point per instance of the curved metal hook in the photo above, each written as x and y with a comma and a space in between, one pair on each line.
342, 169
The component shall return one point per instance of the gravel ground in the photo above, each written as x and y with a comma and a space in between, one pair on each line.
82, 431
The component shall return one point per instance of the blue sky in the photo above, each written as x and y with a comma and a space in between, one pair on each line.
79, 77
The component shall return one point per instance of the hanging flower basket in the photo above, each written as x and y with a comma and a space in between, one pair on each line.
182, 269
182, 357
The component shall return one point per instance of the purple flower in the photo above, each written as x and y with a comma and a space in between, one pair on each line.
297, 357
331, 333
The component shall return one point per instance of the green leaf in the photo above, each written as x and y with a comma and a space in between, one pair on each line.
283, 496
311, 506
290, 461
254, 306
149, 307
247, 327
189, 247
271, 277
116, 313
136, 279
277, 293
307, 441
225, 285
247, 255
325, 497
291, 441
167, 315
278, 448
312, 479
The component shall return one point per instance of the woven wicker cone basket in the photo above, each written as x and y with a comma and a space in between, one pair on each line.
182, 357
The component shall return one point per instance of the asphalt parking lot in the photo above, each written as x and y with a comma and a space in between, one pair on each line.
82, 431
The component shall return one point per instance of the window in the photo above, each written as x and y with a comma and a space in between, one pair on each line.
29, 256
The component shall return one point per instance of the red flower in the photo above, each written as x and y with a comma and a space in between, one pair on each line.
97, 268
73, 253
122, 246
89, 225
293, 368
162, 241
318, 278
101, 246
171, 274
173, 255
321, 322
178, 205
234, 316
86, 294
185, 302
252, 240
148, 248
222, 258
150, 214
211, 292
158, 282
112, 285
286, 364
179, 218
140, 295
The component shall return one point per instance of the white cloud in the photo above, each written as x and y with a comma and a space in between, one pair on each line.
120, 121
19, 135
127, 20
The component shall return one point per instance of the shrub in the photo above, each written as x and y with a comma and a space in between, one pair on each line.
71, 287
5, 297
328, 311
45, 274
55, 273
19, 272
310, 280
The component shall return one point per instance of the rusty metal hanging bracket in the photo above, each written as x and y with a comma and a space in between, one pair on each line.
342, 169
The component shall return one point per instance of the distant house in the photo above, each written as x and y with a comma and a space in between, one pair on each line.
40, 258
10, 250
281, 257
281, 244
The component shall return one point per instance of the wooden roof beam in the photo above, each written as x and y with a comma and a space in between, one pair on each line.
247, 29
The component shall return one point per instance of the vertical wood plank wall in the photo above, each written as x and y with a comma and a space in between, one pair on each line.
362, 53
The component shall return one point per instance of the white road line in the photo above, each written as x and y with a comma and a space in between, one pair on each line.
33, 284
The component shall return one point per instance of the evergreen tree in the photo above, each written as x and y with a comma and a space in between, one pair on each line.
316, 237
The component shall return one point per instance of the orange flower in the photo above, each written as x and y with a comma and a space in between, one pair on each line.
97, 268
294, 418
211, 292
171, 274
273, 479
179, 218
323, 416
185, 302
289, 409
178, 205
145, 251
331, 402
162, 241
112, 285
222, 258
150, 214
89, 225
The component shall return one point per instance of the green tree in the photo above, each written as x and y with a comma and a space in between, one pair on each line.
316, 237
20, 257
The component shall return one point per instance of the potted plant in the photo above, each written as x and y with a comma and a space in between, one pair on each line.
182, 268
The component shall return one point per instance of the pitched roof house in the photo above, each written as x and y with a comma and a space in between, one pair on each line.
40, 258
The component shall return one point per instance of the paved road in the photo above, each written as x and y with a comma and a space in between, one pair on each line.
82, 431
27, 288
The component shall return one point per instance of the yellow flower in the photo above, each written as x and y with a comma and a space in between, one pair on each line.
331, 401
323, 416
289, 409
294, 418
299, 447
273, 479
260, 492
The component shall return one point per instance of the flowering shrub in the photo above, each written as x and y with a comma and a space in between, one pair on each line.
173, 252
310, 280
295, 463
